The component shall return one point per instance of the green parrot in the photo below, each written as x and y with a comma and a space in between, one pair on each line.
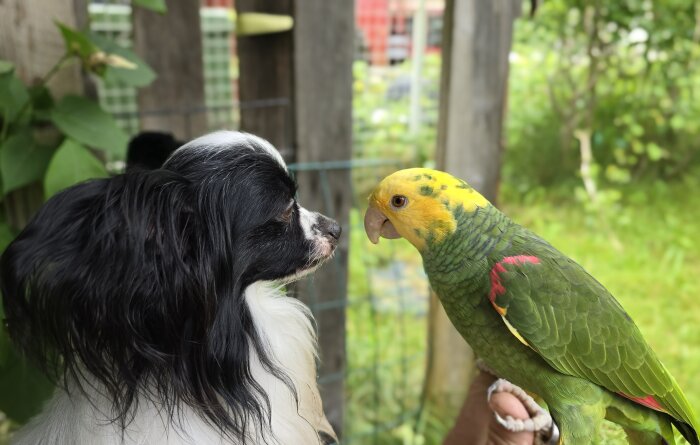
533, 315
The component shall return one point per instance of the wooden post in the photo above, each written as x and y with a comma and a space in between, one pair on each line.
171, 44
476, 43
323, 51
265, 82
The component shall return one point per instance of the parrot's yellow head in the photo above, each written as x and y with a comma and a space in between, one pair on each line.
417, 204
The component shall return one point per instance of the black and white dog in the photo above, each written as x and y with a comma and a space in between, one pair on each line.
153, 299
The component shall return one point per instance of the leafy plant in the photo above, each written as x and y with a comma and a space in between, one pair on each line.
48, 144
623, 72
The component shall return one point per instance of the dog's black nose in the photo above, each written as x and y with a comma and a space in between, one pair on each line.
328, 227
334, 229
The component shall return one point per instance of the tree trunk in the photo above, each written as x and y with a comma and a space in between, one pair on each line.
323, 52
171, 44
476, 42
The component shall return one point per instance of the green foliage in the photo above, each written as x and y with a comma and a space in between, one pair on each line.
386, 329
126, 67
6, 66
53, 144
71, 164
22, 160
625, 71
26, 152
106, 58
77, 43
381, 112
13, 97
22, 388
83, 120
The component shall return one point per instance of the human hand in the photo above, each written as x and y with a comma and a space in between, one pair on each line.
477, 424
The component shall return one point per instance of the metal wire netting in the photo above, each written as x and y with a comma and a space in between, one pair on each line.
385, 306
386, 300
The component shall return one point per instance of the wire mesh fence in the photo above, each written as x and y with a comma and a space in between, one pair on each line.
385, 311
386, 300
114, 21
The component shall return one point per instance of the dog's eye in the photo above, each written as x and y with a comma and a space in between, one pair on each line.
286, 216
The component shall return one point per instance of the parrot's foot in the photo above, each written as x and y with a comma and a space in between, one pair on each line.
540, 421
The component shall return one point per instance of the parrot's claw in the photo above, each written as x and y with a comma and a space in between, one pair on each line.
540, 421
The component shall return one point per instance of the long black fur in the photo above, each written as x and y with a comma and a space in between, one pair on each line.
138, 281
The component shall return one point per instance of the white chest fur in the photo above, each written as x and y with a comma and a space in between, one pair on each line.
285, 326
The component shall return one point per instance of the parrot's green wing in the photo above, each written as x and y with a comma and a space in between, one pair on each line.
576, 325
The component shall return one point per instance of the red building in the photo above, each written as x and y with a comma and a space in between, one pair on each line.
384, 28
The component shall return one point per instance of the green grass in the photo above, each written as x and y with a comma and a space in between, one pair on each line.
646, 251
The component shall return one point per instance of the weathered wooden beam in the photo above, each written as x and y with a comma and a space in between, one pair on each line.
171, 44
477, 38
323, 51
265, 82
473, 91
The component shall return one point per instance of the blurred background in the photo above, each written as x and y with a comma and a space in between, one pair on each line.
580, 119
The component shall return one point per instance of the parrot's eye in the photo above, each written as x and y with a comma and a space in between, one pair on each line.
398, 201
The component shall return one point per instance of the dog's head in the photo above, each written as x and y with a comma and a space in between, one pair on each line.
138, 279
250, 198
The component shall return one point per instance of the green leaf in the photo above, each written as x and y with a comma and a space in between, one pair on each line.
42, 102
153, 5
677, 122
6, 66
13, 96
139, 75
77, 42
654, 152
83, 120
22, 160
23, 389
6, 237
72, 163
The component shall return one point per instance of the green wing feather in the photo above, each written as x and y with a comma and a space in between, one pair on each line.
579, 328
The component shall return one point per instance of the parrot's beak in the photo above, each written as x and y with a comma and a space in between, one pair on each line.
376, 225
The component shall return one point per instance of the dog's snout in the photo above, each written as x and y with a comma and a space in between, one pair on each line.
334, 229
329, 227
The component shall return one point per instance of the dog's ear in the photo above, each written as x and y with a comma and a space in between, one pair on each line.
102, 276
135, 280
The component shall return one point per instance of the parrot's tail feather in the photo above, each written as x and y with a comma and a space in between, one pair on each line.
686, 430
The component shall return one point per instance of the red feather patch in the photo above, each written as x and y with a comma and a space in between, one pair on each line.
498, 268
648, 401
